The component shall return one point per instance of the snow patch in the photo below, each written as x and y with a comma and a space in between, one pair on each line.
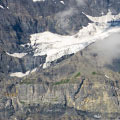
20, 74
107, 76
62, 2
17, 55
34, 70
97, 116
104, 18
1, 7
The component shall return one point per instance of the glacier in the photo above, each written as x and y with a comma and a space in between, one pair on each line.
55, 46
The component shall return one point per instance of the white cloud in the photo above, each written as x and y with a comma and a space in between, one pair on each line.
63, 17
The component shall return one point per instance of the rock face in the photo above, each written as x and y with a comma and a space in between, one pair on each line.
80, 86
19, 19
82, 82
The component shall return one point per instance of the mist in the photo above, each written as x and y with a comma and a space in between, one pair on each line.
63, 17
108, 50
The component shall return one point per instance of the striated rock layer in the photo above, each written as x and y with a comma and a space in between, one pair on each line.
85, 86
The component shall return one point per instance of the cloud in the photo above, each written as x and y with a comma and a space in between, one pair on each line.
66, 13
108, 50
63, 18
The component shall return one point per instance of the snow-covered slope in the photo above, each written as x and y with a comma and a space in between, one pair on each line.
56, 46
104, 18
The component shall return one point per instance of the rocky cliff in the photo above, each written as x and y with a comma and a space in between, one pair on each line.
81, 87
19, 19
77, 86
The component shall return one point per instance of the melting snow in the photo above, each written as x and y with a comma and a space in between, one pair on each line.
106, 76
56, 46
1, 7
20, 74
62, 2
97, 116
17, 55
33, 70
104, 18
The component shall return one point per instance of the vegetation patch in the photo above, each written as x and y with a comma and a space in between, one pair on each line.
77, 75
62, 82
94, 73
26, 82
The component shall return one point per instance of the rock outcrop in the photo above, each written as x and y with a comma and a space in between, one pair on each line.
82, 85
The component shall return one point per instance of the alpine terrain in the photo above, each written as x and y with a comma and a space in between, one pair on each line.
59, 59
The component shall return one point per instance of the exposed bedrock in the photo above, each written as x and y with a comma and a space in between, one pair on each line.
81, 84
19, 19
